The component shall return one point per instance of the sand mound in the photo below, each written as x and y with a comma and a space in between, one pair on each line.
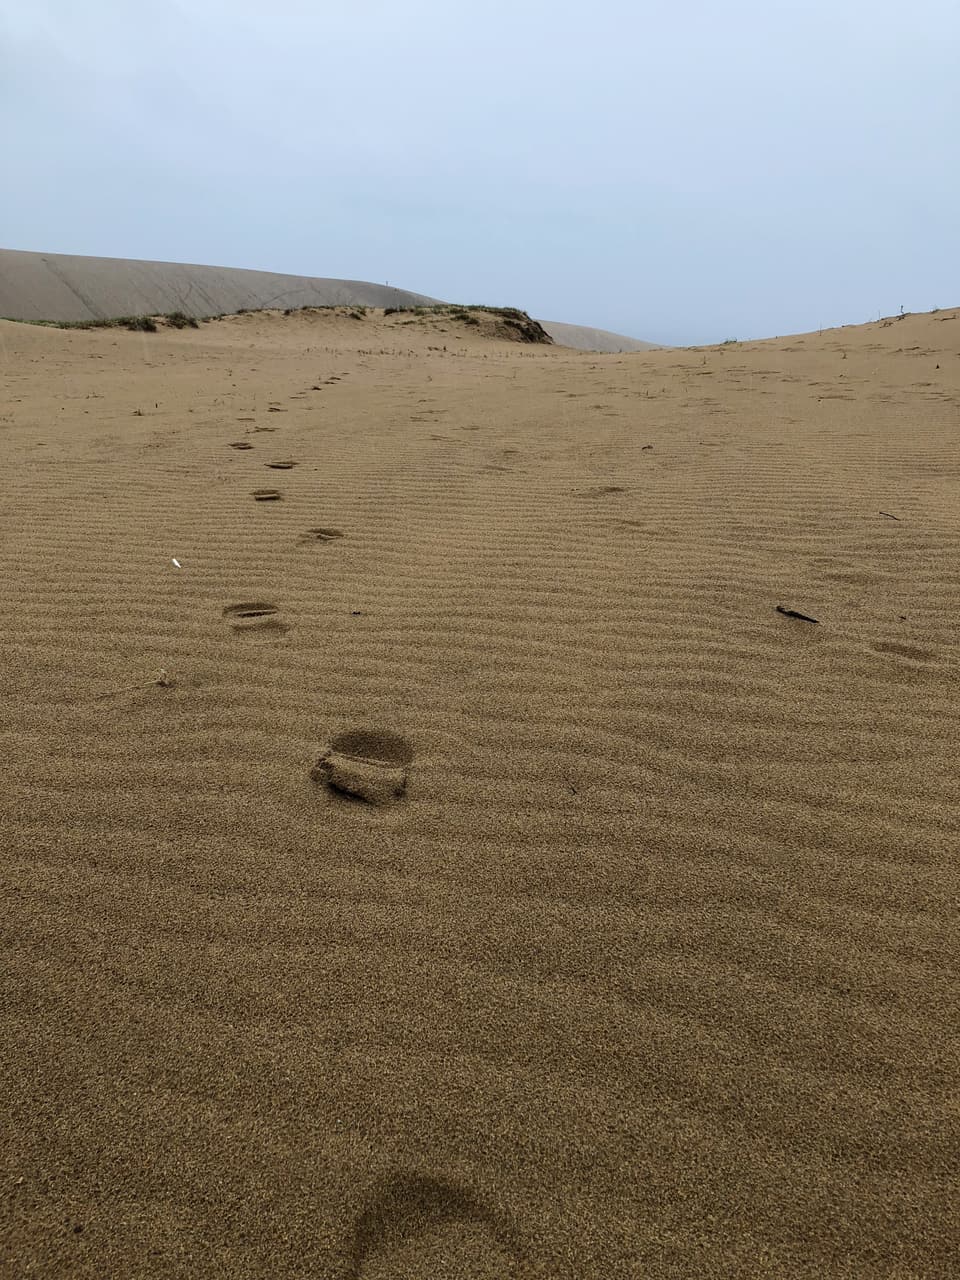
648, 966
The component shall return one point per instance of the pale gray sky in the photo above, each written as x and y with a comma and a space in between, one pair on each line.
678, 172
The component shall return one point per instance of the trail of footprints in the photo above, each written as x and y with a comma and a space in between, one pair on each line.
362, 764
411, 1221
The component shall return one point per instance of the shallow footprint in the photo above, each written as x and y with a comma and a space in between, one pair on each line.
267, 495
849, 577
321, 535
281, 466
254, 615
418, 1227
905, 651
369, 764
601, 490
241, 444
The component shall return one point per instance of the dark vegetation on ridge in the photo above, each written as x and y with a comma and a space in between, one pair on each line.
524, 327
142, 324
508, 322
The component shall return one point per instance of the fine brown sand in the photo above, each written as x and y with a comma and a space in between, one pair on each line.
636, 960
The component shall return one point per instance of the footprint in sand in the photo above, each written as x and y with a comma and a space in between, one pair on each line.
281, 466
368, 764
254, 615
241, 444
321, 535
905, 651
848, 577
602, 490
415, 1227
267, 495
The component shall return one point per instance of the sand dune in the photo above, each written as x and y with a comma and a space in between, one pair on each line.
456, 866
59, 286
65, 287
587, 339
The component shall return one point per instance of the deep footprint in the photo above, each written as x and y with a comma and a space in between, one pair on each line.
281, 466
254, 615
241, 444
422, 1226
267, 495
368, 764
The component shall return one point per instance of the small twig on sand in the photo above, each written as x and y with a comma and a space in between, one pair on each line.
161, 679
792, 613
888, 515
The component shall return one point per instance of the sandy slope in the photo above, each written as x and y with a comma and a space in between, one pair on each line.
650, 970
584, 338
66, 286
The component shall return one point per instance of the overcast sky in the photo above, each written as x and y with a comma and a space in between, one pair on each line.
678, 172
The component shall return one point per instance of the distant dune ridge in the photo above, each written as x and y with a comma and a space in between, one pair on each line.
58, 286
587, 339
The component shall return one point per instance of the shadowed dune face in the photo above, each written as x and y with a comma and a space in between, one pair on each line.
453, 863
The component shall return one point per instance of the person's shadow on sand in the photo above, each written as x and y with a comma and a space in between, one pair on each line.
417, 1227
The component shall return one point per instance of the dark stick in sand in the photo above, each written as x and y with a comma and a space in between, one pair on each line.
792, 613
